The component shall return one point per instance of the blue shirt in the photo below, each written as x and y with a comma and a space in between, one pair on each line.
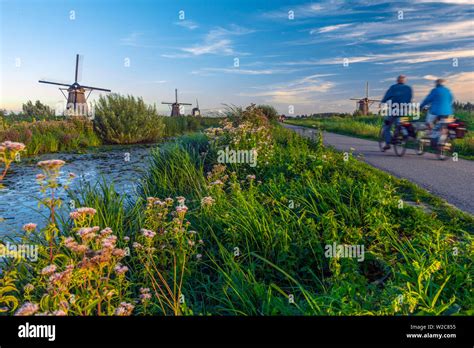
441, 101
398, 93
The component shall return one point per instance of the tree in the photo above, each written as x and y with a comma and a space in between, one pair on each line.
37, 110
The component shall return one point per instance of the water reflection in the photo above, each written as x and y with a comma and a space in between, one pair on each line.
123, 165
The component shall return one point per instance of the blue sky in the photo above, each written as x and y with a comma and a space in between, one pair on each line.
282, 60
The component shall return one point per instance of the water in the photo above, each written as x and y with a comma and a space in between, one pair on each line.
121, 165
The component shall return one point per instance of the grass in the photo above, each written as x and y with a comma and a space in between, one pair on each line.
251, 241
187, 124
368, 127
78, 134
52, 136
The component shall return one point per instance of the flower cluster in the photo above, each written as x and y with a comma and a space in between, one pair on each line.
27, 309
9, 151
124, 309
145, 295
90, 268
207, 201
11, 146
30, 227
51, 165
82, 216
245, 134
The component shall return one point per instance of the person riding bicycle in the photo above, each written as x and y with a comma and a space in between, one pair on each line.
440, 102
399, 93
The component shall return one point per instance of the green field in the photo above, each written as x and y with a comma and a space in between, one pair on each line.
369, 127
207, 238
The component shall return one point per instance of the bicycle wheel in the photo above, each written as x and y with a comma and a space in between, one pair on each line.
381, 140
444, 151
444, 146
421, 147
399, 143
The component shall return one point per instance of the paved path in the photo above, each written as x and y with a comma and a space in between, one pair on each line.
452, 181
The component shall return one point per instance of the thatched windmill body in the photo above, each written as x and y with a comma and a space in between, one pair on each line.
363, 104
76, 97
176, 106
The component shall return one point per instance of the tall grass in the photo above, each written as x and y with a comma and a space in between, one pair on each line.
78, 134
262, 239
187, 124
52, 136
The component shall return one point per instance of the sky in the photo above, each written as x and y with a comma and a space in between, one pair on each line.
305, 56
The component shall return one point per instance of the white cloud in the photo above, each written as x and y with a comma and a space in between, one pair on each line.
329, 28
302, 91
177, 55
217, 41
137, 39
455, 2
191, 25
462, 86
436, 34
131, 39
310, 10
403, 57
240, 71
222, 47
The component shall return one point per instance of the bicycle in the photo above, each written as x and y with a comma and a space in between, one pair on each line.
440, 139
403, 132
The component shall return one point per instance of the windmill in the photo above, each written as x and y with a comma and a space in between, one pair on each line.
175, 107
196, 112
76, 98
364, 103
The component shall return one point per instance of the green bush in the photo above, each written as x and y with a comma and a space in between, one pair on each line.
126, 120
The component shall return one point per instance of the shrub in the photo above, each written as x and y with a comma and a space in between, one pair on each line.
269, 111
126, 120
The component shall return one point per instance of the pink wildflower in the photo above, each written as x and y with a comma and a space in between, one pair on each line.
28, 308
30, 227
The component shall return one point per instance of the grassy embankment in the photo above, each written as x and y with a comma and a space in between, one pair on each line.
251, 241
368, 127
118, 120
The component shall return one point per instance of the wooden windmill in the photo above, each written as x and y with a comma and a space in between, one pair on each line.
363, 104
176, 106
76, 98
196, 112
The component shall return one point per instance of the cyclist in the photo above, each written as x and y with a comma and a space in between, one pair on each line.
398, 94
440, 101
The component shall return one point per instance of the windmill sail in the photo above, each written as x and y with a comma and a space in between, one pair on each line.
76, 99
